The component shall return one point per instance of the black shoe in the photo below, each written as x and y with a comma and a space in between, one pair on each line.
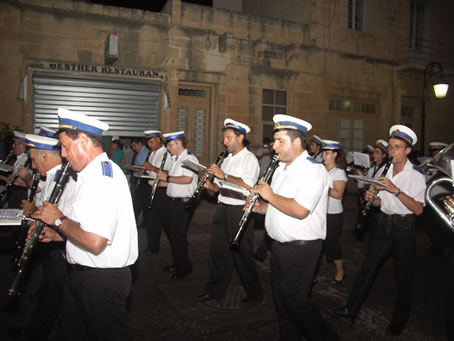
202, 298
394, 330
169, 268
342, 314
180, 275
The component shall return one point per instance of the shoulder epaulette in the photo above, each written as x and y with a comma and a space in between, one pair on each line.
416, 168
311, 159
107, 168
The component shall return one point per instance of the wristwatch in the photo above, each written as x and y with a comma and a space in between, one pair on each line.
59, 221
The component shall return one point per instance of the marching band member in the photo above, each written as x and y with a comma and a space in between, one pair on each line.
295, 206
181, 183
141, 188
153, 215
45, 156
401, 199
316, 148
44, 131
18, 190
380, 158
241, 168
333, 159
100, 233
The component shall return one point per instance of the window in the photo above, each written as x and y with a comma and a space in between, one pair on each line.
352, 134
273, 102
417, 25
408, 114
357, 15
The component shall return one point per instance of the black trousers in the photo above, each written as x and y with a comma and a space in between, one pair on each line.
141, 198
175, 220
292, 271
332, 247
222, 259
50, 294
94, 305
450, 300
389, 233
153, 219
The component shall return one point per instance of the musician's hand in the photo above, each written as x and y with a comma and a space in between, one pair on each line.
47, 213
27, 207
216, 171
23, 172
264, 190
162, 175
369, 194
389, 186
209, 186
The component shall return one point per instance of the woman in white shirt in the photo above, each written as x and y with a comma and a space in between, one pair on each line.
333, 159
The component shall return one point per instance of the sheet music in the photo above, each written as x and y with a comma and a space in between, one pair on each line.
367, 179
9, 217
232, 187
194, 166
361, 159
6, 168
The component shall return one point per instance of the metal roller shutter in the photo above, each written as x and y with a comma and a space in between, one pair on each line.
128, 106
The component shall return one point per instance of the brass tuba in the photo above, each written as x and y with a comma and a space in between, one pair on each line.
442, 162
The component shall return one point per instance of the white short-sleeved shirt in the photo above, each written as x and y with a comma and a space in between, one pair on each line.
103, 206
65, 203
306, 181
335, 205
182, 190
243, 165
409, 180
155, 160
20, 162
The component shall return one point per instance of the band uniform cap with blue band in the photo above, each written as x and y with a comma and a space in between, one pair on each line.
330, 145
369, 148
437, 145
286, 122
44, 131
229, 123
382, 144
172, 136
19, 136
152, 133
317, 140
404, 133
77, 121
42, 142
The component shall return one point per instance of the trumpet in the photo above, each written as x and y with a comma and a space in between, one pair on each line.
442, 162
155, 184
30, 245
366, 208
207, 176
247, 212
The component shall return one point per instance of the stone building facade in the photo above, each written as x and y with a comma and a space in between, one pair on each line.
351, 73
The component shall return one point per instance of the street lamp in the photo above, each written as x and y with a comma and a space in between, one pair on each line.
440, 87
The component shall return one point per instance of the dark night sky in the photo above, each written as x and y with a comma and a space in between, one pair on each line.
148, 5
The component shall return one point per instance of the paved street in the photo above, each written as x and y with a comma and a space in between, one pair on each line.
163, 309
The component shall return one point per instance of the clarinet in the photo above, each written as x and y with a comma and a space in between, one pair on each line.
32, 242
206, 177
155, 184
11, 182
9, 157
366, 209
23, 227
235, 244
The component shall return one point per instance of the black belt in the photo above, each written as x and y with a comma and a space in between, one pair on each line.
78, 267
179, 199
229, 205
398, 215
298, 242
84, 268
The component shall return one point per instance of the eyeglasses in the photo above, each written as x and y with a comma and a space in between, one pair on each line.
171, 144
394, 146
